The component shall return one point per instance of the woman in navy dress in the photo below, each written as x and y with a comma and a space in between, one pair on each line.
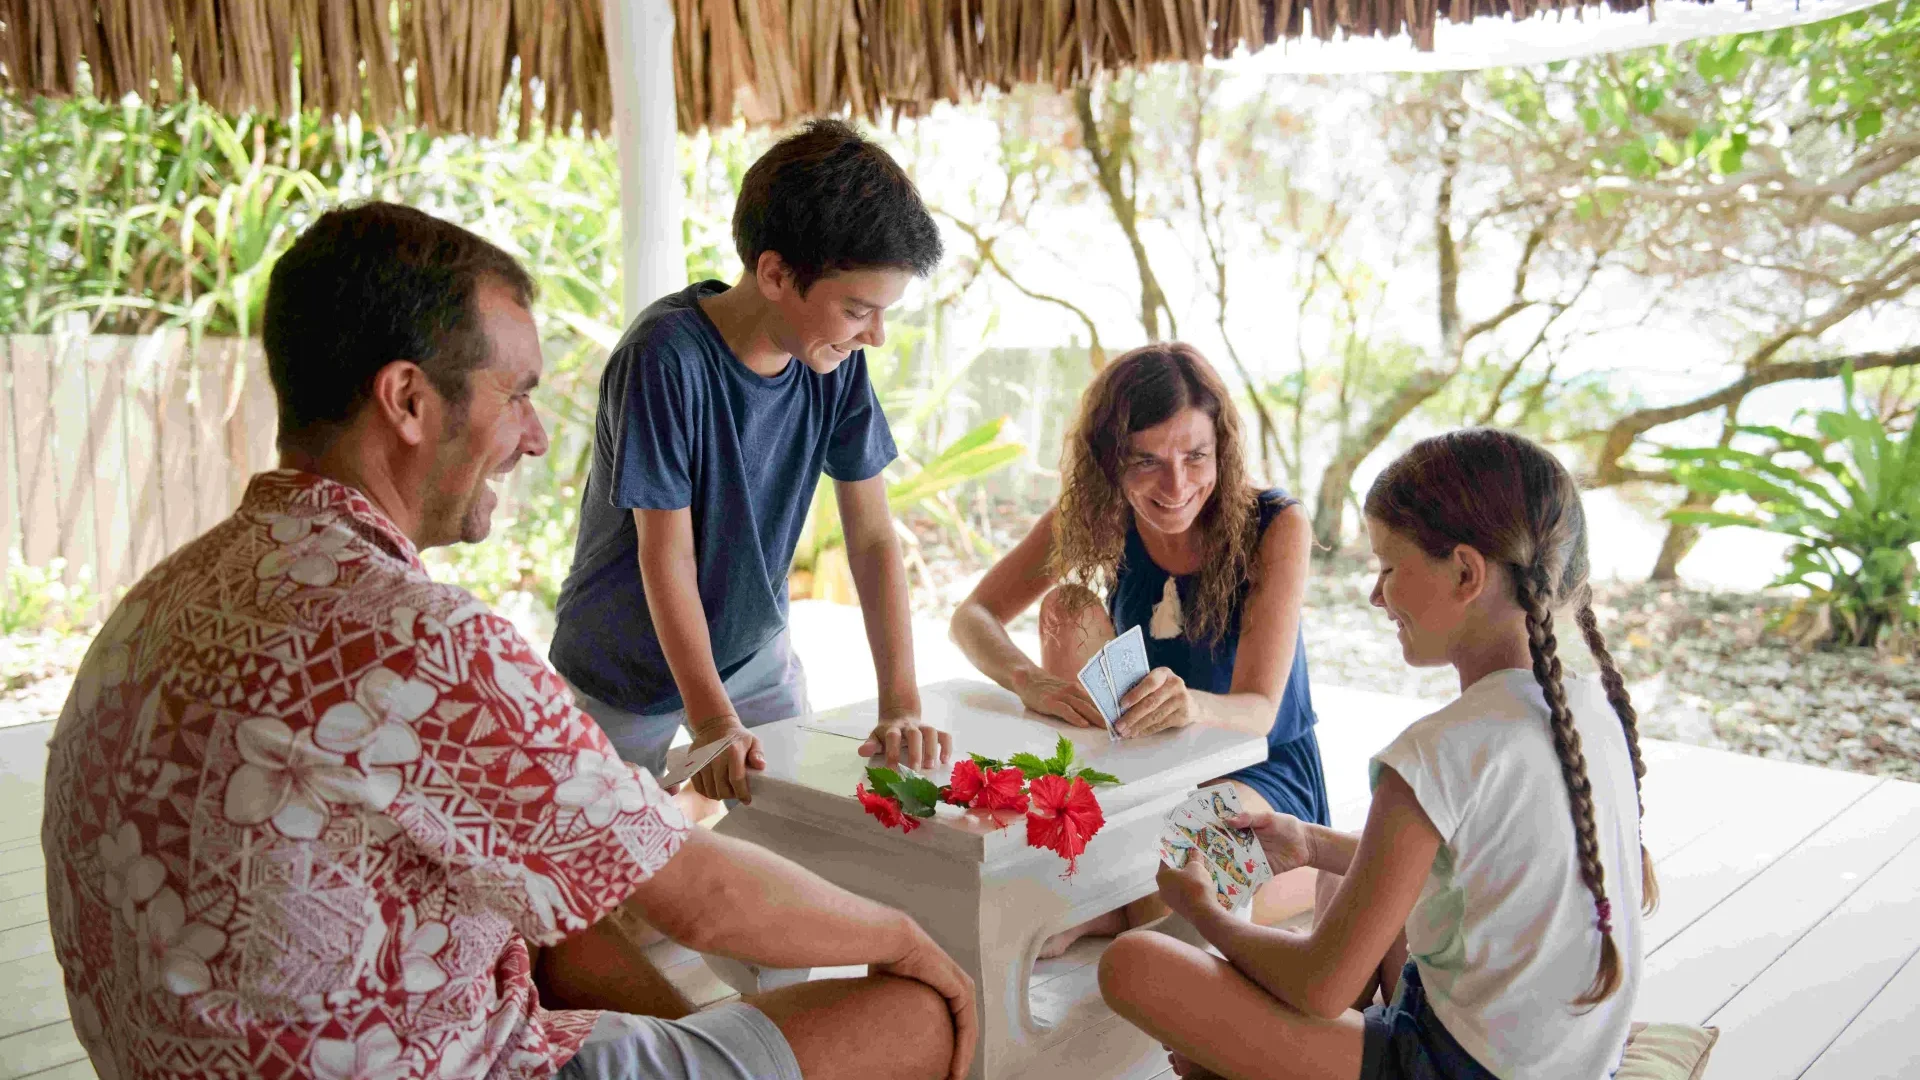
1157, 526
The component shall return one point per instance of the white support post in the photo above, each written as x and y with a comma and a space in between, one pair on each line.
640, 64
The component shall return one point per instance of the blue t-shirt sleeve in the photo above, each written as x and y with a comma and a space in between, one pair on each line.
651, 400
861, 444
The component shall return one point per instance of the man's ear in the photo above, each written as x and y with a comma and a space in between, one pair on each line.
404, 400
1469, 569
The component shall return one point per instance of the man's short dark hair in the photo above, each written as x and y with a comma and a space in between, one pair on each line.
827, 200
367, 285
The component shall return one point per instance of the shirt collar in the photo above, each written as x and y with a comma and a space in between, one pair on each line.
290, 490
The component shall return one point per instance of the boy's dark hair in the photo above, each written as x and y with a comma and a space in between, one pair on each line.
362, 287
826, 200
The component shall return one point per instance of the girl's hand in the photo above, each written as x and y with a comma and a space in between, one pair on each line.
1283, 836
1189, 890
1159, 702
1050, 695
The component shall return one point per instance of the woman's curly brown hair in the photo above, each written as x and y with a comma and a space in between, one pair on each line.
1140, 390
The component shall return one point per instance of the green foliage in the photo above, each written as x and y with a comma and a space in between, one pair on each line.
1033, 766
918, 796
1850, 498
37, 598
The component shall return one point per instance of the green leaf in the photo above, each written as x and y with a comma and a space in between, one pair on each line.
1062, 758
1095, 777
1030, 765
917, 794
986, 762
881, 779
1867, 124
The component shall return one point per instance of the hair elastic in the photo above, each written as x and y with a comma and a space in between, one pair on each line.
1606, 916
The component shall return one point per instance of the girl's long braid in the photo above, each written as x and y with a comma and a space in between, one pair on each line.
1616, 688
1533, 586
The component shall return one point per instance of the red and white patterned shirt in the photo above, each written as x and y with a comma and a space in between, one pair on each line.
305, 809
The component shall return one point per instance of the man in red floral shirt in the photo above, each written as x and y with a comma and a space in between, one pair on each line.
310, 813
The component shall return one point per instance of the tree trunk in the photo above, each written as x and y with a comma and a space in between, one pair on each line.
1111, 156
1680, 540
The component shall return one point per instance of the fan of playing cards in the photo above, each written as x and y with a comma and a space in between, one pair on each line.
1234, 856
1117, 668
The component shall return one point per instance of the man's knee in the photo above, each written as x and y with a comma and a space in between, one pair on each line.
920, 1012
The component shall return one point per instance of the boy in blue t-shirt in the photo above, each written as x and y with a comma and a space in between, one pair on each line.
709, 441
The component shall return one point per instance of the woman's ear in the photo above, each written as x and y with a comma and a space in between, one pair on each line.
1469, 569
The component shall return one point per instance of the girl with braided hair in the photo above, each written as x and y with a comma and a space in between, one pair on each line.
1501, 855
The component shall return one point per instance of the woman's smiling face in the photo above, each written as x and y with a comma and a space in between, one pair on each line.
1169, 471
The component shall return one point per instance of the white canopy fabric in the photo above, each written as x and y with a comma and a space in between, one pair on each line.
1499, 42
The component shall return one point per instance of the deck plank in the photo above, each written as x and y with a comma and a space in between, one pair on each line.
1703, 873
36, 1051
32, 994
1791, 1012
1880, 1041
24, 941
1691, 974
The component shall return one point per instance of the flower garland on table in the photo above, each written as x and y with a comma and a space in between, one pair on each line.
1058, 800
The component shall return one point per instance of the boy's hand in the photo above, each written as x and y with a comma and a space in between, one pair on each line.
725, 777
909, 739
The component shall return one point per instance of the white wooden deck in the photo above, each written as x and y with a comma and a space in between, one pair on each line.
1790, 915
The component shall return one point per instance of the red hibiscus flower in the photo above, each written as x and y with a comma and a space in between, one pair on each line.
885, 808
1002, 790
968, 780
1063, 817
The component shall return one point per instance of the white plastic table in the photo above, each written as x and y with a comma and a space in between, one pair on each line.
980, 891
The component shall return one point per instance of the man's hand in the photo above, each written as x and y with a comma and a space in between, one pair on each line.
1159, 702
725, 777
1283, 836
926, 962
1050, 695
909, 739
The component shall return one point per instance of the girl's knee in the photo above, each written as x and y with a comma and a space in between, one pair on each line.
1127, 967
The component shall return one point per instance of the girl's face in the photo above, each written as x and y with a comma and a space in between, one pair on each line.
1424, 596
1168, 471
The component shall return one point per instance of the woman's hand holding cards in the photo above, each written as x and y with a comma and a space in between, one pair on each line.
1050, 695
725, 777
1282, 836
1159, 702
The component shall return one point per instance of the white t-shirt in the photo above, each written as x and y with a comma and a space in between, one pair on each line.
1504, 932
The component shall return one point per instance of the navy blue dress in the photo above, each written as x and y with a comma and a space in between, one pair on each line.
1290, 779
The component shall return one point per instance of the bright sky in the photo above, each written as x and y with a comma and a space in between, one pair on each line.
1500, 42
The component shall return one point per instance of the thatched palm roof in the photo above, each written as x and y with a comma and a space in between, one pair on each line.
450, 63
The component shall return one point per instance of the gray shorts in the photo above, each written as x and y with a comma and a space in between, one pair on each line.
770, 686
733, 1042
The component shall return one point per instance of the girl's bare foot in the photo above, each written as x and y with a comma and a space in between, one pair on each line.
1113, 922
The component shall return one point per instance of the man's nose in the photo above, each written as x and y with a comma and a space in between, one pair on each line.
876, 332
534, 441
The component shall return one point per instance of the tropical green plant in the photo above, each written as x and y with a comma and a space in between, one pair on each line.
1849, 496
39, 598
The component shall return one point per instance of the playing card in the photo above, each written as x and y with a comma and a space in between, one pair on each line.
1234, 856
691, 761
1126, 658
1094, 677
1175, 844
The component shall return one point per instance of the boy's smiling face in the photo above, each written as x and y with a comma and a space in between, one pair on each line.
842, 312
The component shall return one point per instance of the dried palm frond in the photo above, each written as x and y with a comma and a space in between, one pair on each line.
451, 63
